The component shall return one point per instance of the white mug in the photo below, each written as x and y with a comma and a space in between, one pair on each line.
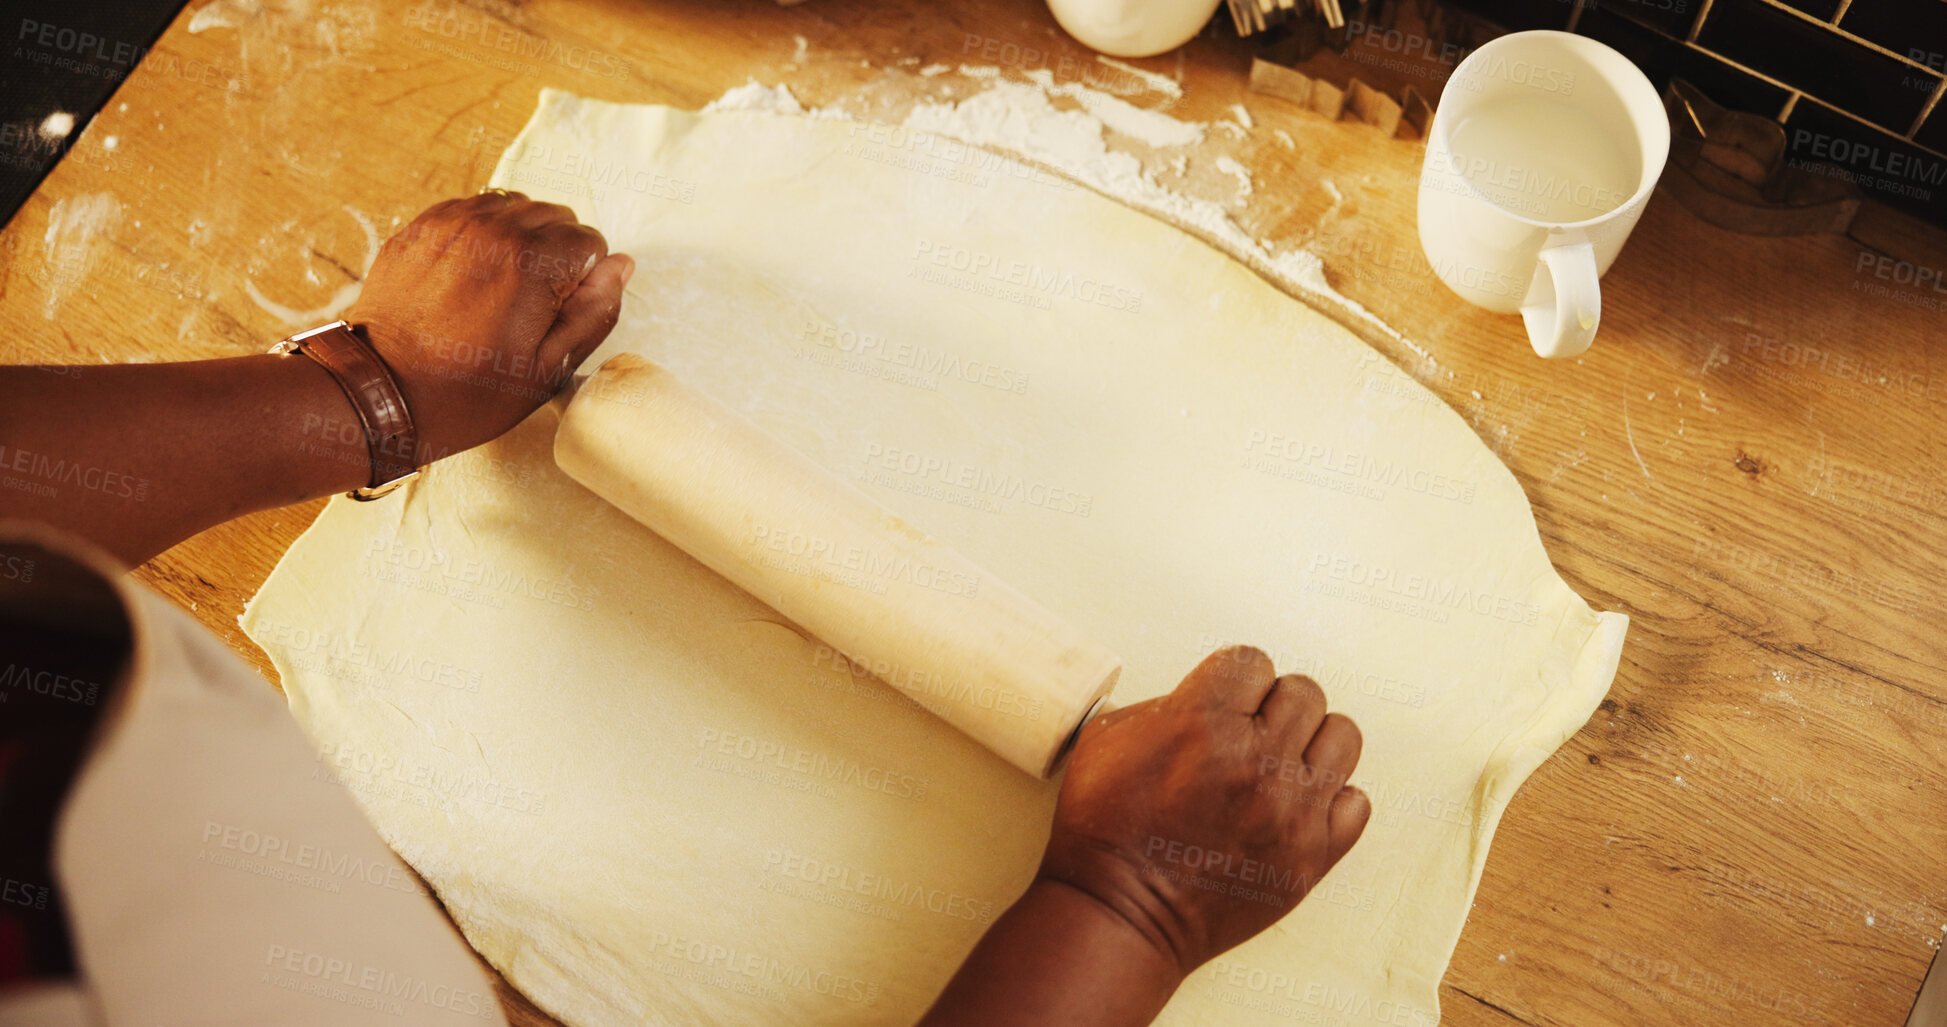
1543, 152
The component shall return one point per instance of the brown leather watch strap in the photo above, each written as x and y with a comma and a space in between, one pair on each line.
390, 435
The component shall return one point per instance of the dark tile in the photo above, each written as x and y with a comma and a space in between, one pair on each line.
1670, 17
1663, 58
1883, 166
1647, 48
1519, 15
1933, 134
1916, 29
1823, 10
1729, 85
1884, 90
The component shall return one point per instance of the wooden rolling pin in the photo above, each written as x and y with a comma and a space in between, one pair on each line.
926, 620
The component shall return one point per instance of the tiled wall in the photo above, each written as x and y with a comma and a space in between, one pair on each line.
1856, 83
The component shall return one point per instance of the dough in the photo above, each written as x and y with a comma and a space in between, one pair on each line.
646, 800
837, 563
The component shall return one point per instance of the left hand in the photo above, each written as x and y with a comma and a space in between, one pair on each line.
483, 307
1174, 813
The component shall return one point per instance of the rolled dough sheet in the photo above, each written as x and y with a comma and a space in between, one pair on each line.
646, 798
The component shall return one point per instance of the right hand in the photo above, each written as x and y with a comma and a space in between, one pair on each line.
483, 307
1203, 816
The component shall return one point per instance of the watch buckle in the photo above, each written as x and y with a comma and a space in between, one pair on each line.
367, 493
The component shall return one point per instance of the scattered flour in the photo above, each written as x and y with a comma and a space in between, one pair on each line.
1153, 128
1629, 433
1159, 83
1717, 358
344, 297
777, 99
1229, 166
73, 225
223, 14
1338, 199
1012, 117
752, 96
1243, 116
1017, 118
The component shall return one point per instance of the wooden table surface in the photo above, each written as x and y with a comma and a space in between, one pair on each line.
1748, 463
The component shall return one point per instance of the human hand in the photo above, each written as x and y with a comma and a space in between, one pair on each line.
1203, 816
483, 307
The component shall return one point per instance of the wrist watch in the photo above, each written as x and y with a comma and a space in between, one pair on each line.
390, 436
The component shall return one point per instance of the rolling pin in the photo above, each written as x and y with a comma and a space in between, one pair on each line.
890, 598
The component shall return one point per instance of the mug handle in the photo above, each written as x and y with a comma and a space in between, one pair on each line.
1564, 303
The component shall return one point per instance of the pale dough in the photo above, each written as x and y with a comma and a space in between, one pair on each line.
646, 800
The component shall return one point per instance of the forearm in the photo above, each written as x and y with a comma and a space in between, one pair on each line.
1057, 957
138, 457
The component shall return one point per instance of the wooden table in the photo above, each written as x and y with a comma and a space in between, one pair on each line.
1748, 463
